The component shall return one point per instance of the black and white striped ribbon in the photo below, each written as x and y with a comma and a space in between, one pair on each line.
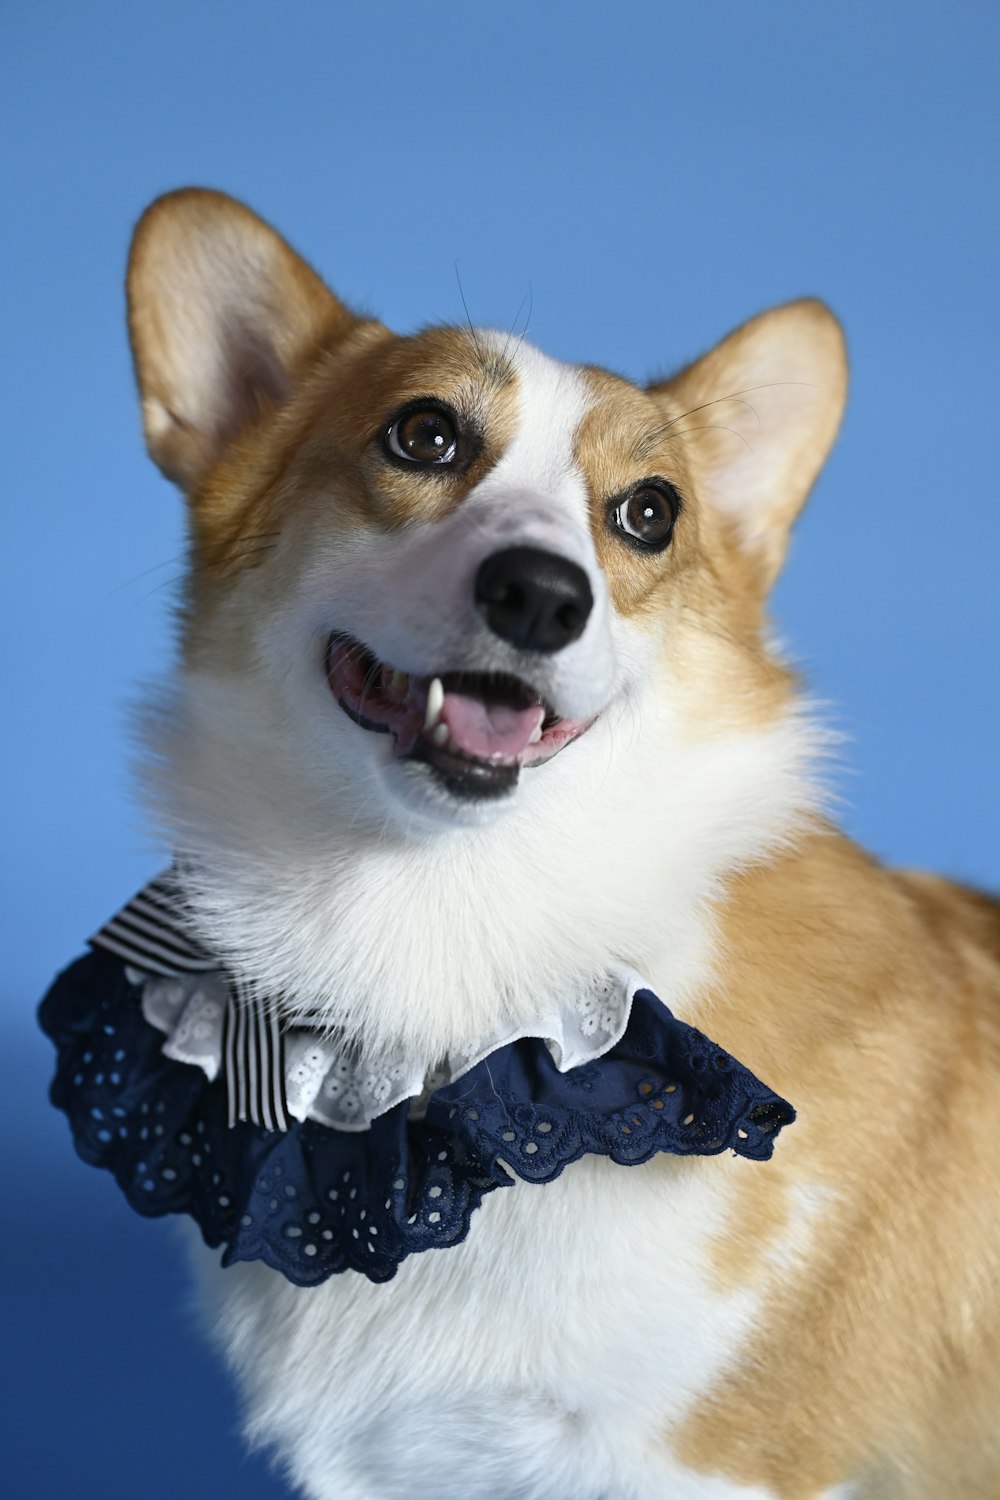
253, 1061
150, 933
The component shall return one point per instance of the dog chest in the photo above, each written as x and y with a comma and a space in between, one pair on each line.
548, 1356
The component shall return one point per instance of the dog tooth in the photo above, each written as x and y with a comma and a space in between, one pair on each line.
536, 734
435, 703
440, 735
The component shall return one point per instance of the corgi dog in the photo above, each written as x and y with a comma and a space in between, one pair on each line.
477, 700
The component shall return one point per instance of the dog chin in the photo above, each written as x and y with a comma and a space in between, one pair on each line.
428, 797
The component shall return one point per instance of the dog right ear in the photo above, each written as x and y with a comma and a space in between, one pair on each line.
221, 311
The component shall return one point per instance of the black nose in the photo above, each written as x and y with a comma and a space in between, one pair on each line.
536, 600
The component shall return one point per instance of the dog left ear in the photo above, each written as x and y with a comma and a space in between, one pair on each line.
758, 415
222, 314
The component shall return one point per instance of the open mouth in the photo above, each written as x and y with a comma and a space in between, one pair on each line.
475, 730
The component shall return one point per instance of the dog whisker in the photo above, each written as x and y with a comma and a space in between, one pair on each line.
529, 298
181, 557
472, 332
651, 439
709, 427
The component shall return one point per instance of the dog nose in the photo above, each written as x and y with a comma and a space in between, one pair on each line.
538, 601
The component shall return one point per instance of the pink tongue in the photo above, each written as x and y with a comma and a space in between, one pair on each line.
486, 730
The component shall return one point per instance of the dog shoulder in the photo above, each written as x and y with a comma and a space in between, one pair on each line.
878, 994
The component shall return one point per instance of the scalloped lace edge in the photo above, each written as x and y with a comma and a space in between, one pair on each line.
335, 1085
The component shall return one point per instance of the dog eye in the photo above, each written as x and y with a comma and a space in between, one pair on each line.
423, 435
649, 514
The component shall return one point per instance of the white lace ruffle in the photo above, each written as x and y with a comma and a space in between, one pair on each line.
338, 1086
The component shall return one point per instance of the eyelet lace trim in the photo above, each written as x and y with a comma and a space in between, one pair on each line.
335, 1085
312, 1201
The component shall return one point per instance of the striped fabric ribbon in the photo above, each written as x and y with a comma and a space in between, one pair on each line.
253, 1061
151, 934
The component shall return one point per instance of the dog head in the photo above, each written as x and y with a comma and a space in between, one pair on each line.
432, 566
473, 643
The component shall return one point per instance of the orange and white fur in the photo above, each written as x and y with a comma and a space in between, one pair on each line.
823, 1325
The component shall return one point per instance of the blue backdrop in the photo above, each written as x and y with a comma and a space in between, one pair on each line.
654, 172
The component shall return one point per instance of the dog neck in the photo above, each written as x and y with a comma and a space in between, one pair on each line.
425, 939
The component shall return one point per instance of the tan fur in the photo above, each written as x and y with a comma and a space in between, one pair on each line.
875, 999
869, 998
707, 584
202, 264
761, 411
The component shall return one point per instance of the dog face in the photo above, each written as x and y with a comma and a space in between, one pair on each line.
434, 571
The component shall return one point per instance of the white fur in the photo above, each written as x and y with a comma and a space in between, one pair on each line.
459, 1380
548, 1356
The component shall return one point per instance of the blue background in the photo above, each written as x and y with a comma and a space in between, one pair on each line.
655, 173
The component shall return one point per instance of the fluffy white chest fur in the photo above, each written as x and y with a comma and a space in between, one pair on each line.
546, 1358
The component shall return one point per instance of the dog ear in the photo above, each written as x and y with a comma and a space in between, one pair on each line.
758, 415
221, 311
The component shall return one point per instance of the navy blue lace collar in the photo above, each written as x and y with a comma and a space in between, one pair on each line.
310, 1200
